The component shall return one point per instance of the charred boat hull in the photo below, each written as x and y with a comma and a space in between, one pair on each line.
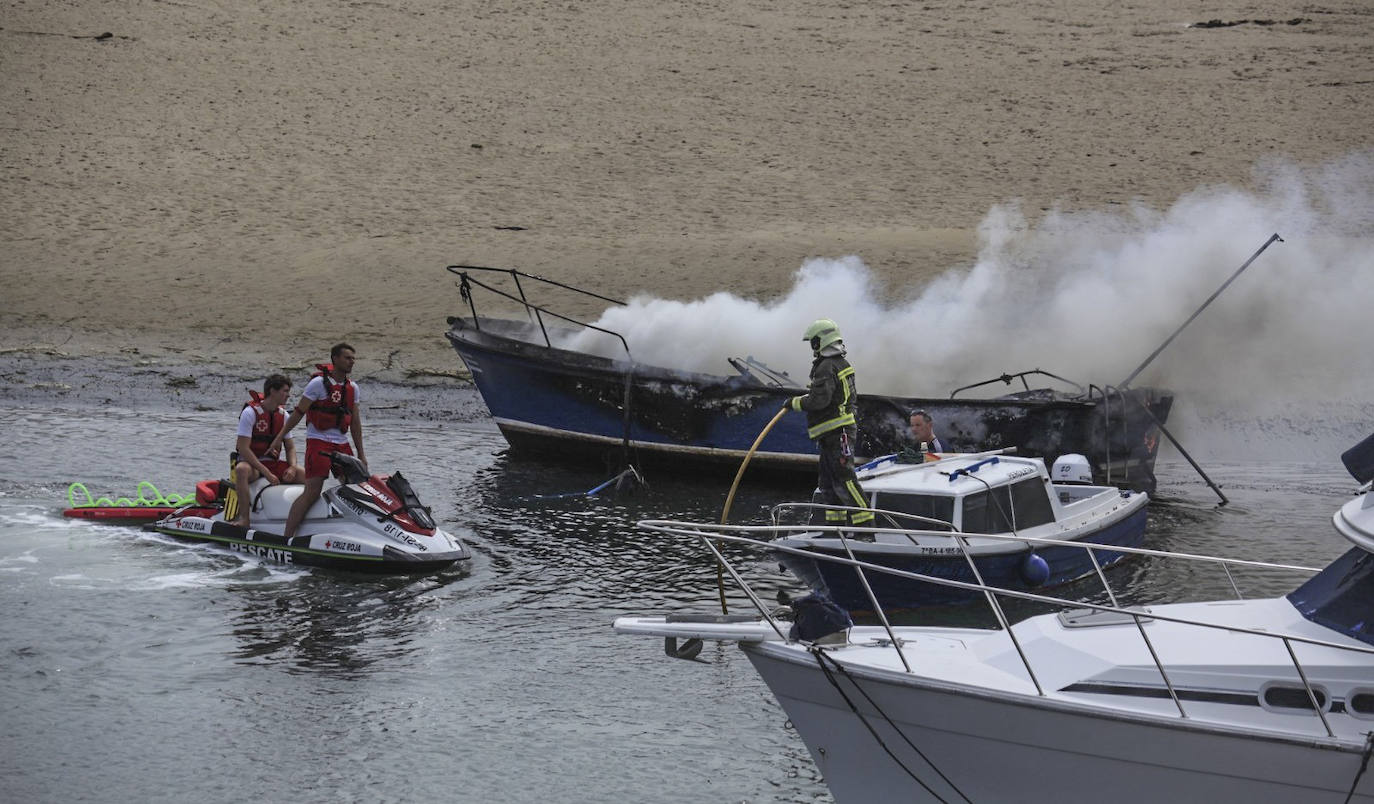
559, 403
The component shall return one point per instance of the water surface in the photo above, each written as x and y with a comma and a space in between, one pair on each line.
137, 667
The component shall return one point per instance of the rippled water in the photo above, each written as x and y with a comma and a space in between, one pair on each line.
137, 667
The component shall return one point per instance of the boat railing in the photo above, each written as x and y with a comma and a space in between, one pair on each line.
1108, 392
713, 535
1020, 375
534, 311
948, 531
895, 518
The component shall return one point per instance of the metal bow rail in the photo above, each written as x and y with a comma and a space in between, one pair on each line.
713, 535
535, 311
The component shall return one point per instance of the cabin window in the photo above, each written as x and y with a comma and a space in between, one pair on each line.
1031, 503
988, 511
1284, 696
1361, 703
932, 507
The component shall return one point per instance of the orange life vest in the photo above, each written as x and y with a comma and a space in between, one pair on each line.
267, 425
335, 411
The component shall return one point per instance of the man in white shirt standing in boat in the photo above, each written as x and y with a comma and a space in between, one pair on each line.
329, 404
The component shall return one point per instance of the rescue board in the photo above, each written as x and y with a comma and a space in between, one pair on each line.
149, 504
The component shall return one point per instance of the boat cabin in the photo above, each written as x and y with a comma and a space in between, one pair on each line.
999, 494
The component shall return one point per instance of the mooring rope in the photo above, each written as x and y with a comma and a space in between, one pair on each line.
821, 659
148, 495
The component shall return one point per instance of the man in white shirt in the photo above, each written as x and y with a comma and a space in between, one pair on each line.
329, 405
261, 419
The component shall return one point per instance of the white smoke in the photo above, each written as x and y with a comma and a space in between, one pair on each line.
1088, 296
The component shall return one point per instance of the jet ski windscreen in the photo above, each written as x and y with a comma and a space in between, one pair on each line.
410, 501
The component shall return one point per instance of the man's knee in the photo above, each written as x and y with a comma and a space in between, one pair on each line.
243, 471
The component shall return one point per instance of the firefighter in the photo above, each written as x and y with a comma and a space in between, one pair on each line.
829, 407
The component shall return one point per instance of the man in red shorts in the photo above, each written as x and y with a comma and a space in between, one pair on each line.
329, 404
259, 423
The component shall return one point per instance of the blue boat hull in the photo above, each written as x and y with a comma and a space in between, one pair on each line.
1005, 571
563, 404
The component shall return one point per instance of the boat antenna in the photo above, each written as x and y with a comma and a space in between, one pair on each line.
1126, 382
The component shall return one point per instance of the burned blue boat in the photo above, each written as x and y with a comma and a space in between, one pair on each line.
558, 403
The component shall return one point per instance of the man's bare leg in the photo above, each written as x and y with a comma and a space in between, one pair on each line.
311, 493
243, 475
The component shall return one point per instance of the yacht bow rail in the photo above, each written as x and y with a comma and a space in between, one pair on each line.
713, 535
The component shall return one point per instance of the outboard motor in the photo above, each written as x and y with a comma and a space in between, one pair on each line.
1359, 460
1072, 468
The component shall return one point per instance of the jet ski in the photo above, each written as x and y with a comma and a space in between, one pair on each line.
363, 523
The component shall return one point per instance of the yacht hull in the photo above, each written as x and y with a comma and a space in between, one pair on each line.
994, 747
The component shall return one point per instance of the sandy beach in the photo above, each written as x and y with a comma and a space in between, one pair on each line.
217, 181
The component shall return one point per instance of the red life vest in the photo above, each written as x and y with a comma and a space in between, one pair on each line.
267, 425
335, 411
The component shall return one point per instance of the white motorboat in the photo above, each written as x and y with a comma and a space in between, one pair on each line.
970, 518
1266, 700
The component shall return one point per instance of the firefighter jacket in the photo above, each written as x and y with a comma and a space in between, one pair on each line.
829, 404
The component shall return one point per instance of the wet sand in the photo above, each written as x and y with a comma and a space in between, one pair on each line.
218, 183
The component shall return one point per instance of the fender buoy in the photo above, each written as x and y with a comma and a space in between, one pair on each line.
1035, 570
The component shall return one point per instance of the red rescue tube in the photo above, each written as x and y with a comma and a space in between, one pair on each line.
130, 514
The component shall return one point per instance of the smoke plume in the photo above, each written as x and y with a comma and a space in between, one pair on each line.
1089, 296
